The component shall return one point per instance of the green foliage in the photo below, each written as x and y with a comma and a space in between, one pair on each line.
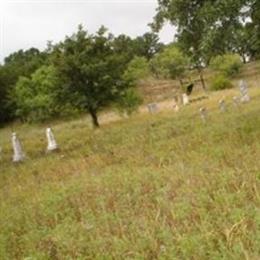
220, 82
228, 64
137, 69
130, 101
254, 29
171, 63
36, 96
18, 64
205, 28
91, 68
6, 111
147, 45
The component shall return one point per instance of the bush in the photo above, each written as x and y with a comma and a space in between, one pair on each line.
137, 69
129, 101
221, 82
228, 64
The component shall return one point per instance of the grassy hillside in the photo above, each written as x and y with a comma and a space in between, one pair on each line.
165, 186
158, 90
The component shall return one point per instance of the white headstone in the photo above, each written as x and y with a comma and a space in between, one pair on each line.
222, 105
185, 99
203, 114
18, 155
152, 108
52, 145
244, 92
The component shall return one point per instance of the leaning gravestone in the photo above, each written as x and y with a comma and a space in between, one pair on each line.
52, 145
185, 99
222, 105
18, 155
152, 108
203, 114
244, 92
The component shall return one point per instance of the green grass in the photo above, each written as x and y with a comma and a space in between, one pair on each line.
152, 187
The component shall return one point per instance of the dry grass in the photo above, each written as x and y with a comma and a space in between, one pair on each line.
150, 187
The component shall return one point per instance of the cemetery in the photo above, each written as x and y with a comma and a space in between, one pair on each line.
133, 156
137, 141
153, 108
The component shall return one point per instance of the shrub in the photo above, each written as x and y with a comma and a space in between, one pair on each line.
129, 101
228, 64
137, 69
221, 82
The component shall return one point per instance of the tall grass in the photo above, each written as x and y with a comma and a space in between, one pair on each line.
166, 186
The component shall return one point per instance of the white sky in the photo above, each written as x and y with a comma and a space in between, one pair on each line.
28, 23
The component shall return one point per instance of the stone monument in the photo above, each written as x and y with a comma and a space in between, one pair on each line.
18, 155
244, 92
185, 99
152, 108
52, 144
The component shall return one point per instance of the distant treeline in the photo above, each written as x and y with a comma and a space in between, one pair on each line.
89, 72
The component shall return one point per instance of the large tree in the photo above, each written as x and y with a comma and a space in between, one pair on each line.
204, 27
255, 27
91, 69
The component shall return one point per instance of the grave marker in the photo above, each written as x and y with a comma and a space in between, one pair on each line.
185, 99
52, 145
18, 155
244, 92
152, 108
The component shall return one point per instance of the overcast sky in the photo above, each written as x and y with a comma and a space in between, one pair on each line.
31, 23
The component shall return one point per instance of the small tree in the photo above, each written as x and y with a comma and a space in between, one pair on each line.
129, 101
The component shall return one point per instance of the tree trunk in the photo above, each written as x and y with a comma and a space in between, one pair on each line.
94, 117
244, 58
202, 79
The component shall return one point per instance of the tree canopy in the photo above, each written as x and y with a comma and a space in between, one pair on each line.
91, 69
